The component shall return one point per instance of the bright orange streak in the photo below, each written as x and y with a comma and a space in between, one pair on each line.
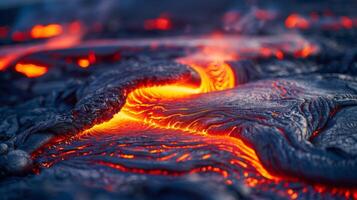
47, 31
3, 64
4, 61
31, 70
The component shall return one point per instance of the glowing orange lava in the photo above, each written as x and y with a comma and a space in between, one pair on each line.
87, 61
5, 60
46, 31
31, 70
84, 63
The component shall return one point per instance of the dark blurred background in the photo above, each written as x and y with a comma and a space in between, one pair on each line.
118, 17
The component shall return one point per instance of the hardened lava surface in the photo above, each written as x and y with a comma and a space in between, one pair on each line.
292, 124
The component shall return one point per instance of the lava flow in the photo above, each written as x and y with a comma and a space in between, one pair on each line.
143, 115
215, 76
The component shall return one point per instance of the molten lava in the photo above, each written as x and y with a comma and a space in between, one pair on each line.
84, 63
41, 31
31, 70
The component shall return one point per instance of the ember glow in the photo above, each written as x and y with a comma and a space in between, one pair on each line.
314, 20
47, 31
161, 23
296, 21
84, 63
31, 70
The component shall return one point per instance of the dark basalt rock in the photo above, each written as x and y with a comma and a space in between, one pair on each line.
339, 135
17, 162
3, 148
